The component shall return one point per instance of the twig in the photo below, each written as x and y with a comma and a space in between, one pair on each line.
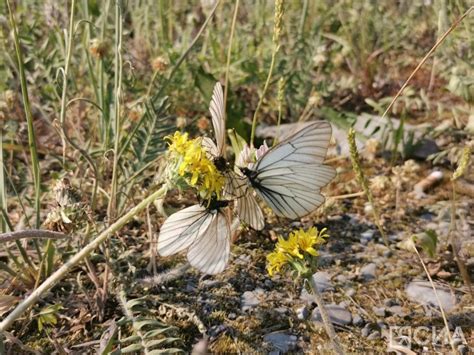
77, 258
31, 233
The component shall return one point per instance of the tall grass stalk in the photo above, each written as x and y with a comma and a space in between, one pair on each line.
356, 166
229, 54
29, 117
3, 192
65, 72
276, 47
111, 210
33, 297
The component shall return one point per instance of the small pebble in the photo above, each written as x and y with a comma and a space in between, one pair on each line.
268, 283
366, 330
387, 253
337, 314
463, 349
379, 311
350, 292
368, 272
281, 341
302, 313
389, 302
323, 281
375, 335
357, 320
232, 316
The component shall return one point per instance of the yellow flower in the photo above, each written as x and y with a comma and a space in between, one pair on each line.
188, 158
289, 245
307, 240
276, 260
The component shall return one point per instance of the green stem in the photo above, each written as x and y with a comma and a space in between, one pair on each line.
62, 115
111, 209
31, 299
229, 52
29, 117
267, 82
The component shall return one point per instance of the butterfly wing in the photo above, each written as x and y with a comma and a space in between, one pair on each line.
290, 175
216, 107
211, 250
212, 151
182, 229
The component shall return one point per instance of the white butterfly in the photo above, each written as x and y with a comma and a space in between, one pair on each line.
289, 176
236, 187
204, 231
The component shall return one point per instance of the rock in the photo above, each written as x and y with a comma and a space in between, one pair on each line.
389, 302
341, 278
357, 320
302, 313
368, 234
307, 297
268, 283
251, 299
323, 281
337, 314
214, 331
366, 330
387, 253
463, 349
421, 292
375, 335
396, 311
368, 272
350, 292
281, 341
232, 316
379, 311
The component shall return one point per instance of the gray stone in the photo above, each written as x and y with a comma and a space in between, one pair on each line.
302, 313
387, 253
379, 311
307, 297
337, 314
396, 311
357, 320
366, 330
341, 278
389, 302
368, 272
323, 281
375, 335
251, 299
350, 292
281, 341
368, 234
232, 316
421, 292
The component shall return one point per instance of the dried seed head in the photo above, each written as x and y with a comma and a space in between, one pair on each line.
160, 64
279, 11
98, 48
462, 163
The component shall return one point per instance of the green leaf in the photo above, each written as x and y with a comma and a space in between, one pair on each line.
132, 348
427, 241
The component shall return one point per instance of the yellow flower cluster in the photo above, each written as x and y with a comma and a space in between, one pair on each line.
189, 158
295, 247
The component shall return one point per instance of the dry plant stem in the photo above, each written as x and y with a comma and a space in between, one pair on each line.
425, 58
326, 320
111, 209
445, 320
30, 234
65, 72
31, 299
166, 276
29, 116
229, 52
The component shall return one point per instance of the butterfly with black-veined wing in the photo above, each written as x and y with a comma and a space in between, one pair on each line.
289, 176
203, 230
246, 205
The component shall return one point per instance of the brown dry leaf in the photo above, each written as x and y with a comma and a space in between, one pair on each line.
7, 302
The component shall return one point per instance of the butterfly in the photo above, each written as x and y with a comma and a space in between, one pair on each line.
246, 205
289, 176
204, 230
